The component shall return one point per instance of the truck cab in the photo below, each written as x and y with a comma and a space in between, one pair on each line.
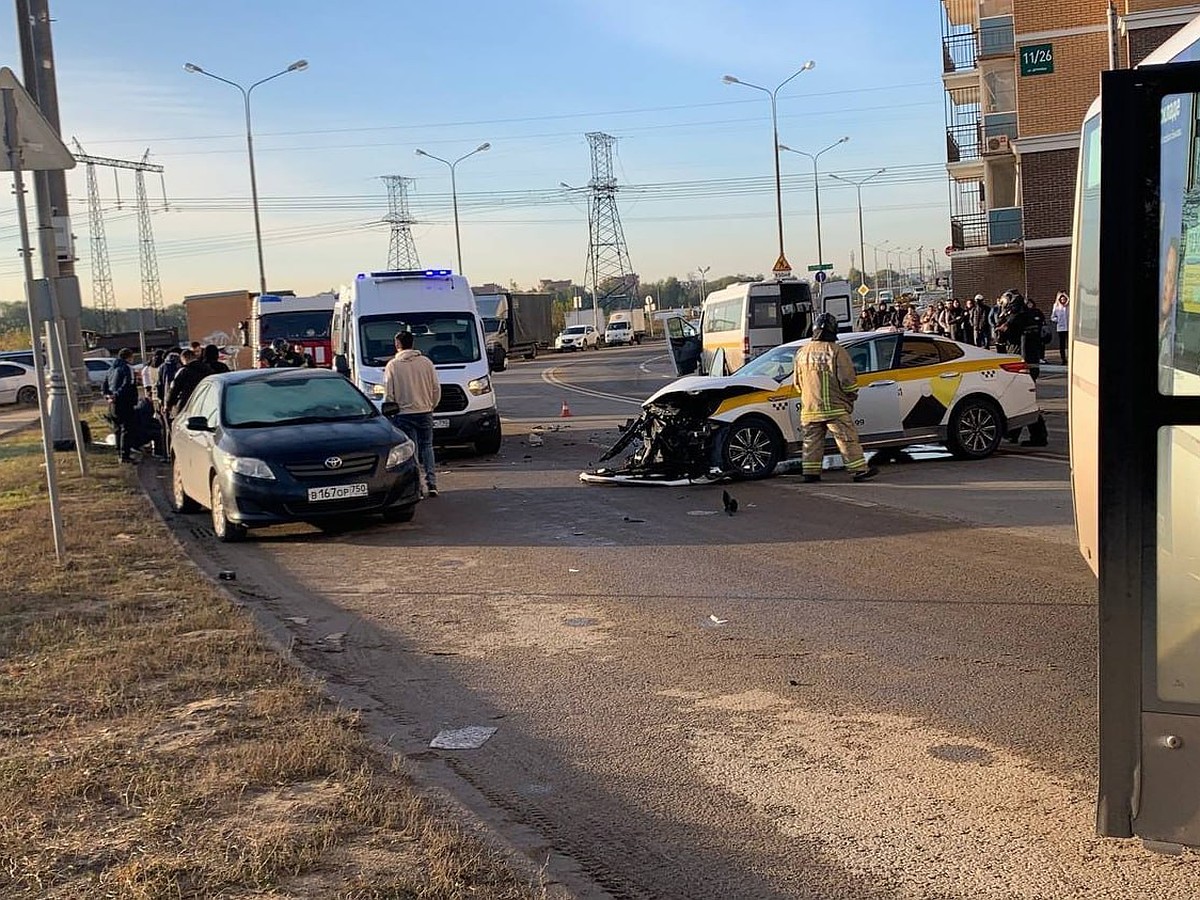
438, 307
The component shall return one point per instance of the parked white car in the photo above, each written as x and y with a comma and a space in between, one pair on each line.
18, 383
577, 337
97, 370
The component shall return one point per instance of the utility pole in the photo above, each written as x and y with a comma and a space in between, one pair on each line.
64, 336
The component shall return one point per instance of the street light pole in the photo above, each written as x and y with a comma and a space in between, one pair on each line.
454, 191
298, 66
858, 186
774, 94
703, 270
816, 186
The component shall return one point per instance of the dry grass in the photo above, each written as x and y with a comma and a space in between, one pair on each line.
152, 746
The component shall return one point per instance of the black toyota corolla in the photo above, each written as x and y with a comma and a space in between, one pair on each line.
265, 446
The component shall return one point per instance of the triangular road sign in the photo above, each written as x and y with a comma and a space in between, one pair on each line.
37, 144
782, 265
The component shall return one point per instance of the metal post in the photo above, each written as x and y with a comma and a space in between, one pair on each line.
454, 200
862, 246
817, 192
14, 157
258, 242
778, 180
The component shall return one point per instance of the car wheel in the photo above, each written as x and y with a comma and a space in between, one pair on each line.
976, 428
226, 531
489, 444
751, 448
180, 501
501, 361
27, 396
400, 513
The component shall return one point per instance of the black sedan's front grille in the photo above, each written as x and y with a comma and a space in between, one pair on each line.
352, 464
453, 399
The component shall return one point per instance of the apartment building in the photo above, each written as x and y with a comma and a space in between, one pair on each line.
1019, 77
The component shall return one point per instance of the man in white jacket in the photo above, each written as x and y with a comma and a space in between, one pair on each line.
411, 382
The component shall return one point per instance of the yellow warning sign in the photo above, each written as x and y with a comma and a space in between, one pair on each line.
781, 264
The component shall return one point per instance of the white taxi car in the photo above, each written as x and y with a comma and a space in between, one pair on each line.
913, 389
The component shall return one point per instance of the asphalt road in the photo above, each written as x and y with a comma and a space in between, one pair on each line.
862, 691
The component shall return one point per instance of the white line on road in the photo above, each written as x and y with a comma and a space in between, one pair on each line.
551, 377
646, 371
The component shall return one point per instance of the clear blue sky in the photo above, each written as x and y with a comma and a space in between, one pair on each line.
531, 77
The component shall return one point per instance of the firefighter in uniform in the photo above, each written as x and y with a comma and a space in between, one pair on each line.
826, 381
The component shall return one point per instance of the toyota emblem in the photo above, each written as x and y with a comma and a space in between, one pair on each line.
334, 462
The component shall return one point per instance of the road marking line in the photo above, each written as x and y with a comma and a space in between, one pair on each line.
551, 377
853, 501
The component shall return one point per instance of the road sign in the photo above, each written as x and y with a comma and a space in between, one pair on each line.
820, 267
782, 266
39, 147
821, 277
863, 290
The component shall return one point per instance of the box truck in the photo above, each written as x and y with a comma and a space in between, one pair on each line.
626, 326
223, 319
515, 324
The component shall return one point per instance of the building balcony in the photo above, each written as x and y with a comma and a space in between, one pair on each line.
1006, 227
997, 37
963, 142
997, 230
960, 52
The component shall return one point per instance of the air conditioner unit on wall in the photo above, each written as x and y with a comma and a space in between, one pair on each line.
998, 143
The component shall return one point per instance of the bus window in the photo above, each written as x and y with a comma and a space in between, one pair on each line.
1179, 250
1085, 301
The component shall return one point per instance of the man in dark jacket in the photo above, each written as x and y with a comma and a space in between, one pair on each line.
120, 390
193, 372
212, 359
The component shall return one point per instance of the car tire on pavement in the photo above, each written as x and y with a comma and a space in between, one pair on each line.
227, 532
180, 501
489, 444
27, 396
400, 513
751, 448
975, 429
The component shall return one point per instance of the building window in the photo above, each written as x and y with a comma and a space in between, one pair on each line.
996, 36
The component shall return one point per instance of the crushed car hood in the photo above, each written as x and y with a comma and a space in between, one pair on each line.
702, 384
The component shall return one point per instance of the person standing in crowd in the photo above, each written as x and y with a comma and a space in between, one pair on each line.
979, 316
1060, 315
828, 386
305, 358
912, 320
411, 382
1022, 328
185, 382
120, 390
150, 377
166, 374
956, 317
212, 359
866, 319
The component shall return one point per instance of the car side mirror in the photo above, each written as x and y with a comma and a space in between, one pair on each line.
340, 365
197, 423
390, 408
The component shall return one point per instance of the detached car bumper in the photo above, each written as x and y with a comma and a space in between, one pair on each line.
254, 502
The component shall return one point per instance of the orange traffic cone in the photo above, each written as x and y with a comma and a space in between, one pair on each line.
566, 411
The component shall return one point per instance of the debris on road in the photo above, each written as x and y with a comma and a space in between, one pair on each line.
227, 575
702, 512
634, 521
573, 571
332, 643
729, 502
470, 738
713, 620
298, 620
535, 439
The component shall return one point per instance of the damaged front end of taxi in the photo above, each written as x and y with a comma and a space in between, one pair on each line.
674, 441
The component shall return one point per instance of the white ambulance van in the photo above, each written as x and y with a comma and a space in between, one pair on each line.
438, 307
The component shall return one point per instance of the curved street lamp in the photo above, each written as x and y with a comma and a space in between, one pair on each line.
816, 187
454, 190
773, 94
298, 66
862, 246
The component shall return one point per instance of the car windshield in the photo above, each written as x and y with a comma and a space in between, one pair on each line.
295, 325
618, 326
264, 402
575, 329
778, 364
447, 338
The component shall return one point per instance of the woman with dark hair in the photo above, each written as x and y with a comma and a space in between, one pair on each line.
212, 358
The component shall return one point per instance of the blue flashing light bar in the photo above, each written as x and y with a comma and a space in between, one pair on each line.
269, 298
413, 273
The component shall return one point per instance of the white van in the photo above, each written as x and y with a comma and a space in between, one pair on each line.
439, 309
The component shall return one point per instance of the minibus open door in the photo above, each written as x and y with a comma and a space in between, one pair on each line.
1147, 309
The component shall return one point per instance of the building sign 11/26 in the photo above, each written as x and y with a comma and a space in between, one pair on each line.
1037, 59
